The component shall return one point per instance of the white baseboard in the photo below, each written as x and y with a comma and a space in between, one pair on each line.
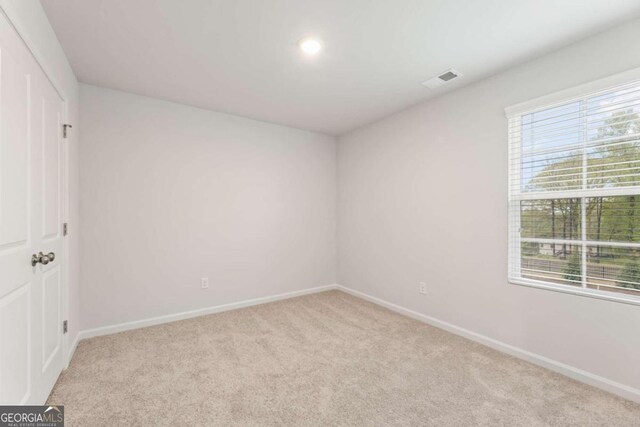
577, 374
121, 327
72, 349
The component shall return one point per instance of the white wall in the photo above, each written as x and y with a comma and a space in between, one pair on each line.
423, 197
172, 193
33, 26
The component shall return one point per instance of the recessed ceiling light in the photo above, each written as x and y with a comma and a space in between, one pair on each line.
310, 45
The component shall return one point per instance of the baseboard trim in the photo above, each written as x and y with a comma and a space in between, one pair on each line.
127, 326
72, 349
577, 374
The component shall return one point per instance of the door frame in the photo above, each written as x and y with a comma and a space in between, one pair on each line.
13, 18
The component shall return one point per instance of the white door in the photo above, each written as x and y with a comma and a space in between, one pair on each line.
31, 345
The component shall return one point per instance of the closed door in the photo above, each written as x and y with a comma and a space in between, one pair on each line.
31, 165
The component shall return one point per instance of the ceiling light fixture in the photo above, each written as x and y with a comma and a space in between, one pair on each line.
310, 46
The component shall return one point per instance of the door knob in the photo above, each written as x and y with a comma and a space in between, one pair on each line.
42, 258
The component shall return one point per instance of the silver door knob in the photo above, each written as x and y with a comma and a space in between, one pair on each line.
42, 258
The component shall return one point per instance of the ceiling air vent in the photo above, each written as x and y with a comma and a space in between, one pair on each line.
443, 78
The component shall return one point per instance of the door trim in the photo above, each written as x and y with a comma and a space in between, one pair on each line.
13, 18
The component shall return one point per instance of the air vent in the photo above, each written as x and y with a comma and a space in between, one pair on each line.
441, 79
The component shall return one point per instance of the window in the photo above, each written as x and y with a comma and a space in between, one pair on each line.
574, 190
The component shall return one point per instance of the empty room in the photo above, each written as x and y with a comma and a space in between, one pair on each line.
319, 213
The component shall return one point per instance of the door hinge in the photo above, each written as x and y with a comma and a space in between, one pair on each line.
64, 130
65, 229
64, 327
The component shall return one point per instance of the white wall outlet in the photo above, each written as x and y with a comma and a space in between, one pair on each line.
422, 288
204, 282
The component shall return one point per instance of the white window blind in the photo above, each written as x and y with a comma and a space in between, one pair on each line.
574, 193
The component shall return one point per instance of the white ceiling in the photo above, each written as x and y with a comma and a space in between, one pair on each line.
240, 56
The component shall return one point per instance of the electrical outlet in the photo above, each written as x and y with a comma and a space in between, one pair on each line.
422, 288
204, 282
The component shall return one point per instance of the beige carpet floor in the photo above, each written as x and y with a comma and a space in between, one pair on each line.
324, 359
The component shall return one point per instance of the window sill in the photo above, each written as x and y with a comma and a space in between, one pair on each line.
590, 293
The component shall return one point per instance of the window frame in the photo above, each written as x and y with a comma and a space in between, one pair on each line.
515, 113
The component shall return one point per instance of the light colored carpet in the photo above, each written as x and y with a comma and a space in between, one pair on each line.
323, 359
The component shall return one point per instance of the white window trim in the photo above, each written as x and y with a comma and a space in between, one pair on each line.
573, 93
541, 103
